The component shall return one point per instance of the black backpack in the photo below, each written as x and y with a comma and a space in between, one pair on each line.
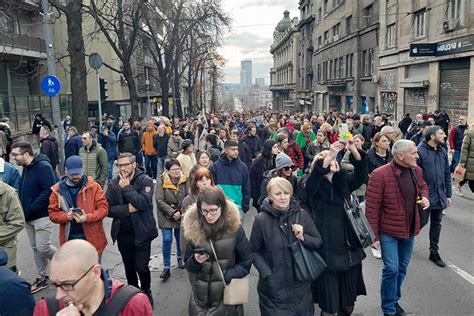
116, 304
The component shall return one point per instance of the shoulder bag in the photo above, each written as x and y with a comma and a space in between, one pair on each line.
308, 264
359, 235
237, 291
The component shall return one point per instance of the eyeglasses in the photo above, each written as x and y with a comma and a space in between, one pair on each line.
70, 286
211, 211
175, 134
175, 169
123, 165
288, 168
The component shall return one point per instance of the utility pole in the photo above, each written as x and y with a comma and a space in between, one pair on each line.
48, 31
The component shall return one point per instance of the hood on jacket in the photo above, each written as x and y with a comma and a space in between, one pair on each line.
37, 159
50, 137
270, 174
63, 182
167, 184
267, 207
192, 227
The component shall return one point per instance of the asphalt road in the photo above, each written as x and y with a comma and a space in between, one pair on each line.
428, 289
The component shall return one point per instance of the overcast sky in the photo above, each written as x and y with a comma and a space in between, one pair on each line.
252, 34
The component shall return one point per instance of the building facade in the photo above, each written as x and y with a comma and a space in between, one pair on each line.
345, 41
444, 80
246, 74
285, 49
305, 94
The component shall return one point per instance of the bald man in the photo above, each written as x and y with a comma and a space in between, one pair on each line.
84, 287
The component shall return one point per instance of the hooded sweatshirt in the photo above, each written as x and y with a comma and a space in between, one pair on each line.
35, 187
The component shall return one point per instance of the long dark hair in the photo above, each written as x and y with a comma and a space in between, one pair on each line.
213, 196
266, 157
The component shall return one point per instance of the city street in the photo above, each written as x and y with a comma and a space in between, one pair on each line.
428, 290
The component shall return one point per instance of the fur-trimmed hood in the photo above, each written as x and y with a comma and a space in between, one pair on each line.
192, 228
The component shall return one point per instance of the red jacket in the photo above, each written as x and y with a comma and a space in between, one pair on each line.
385, 206
91, 199
295, 153
137, 306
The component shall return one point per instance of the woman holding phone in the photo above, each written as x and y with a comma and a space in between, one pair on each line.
216, 219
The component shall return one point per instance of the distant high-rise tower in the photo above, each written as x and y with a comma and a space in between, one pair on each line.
260, 82
246, 74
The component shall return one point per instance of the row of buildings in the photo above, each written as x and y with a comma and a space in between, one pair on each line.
23, 64
387, 56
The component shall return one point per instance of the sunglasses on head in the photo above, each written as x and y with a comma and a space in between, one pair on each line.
288, 168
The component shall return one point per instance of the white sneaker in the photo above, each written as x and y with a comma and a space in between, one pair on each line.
376, 253
458, 190
154, 181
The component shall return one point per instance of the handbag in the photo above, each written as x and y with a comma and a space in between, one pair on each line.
308, 264
358, 225
424, 213
459, 172
237, 291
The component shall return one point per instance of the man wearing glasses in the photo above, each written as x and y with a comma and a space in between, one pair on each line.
35, 188
83, 287
130, 197
94, 158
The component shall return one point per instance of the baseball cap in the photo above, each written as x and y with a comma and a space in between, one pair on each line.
73, 165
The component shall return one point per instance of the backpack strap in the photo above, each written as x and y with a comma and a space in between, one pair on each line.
52, 304
118, 302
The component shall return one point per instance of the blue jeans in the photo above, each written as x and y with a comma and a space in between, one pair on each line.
111, 169
396, 255
455, 160
150, 165
167, 235
161, 164
139, 156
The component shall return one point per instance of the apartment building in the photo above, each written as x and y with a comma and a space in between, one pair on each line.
345, 38
285, 49
443, 80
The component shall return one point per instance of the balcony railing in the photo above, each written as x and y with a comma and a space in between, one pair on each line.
23, 42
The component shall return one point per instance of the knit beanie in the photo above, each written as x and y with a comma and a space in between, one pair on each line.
282, 160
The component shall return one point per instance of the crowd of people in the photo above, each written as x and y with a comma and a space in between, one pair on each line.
194, 179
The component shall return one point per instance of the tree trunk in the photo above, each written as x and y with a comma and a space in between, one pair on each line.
165, 85
177, 92
77, 55
132, 89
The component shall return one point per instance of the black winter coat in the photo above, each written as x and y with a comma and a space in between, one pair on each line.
256, 172
50, 148
327, 202
161, 144
376, 161
72, 146
278, 290
140, 194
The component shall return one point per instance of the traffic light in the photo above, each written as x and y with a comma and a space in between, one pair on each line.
103, 90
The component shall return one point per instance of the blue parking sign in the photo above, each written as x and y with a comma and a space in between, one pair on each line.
51, 85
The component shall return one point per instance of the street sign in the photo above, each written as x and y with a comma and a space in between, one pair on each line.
51, 85
95, 61
424, 49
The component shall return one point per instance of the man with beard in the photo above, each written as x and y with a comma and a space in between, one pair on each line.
456, 135
434, 162
130, 197
78, 205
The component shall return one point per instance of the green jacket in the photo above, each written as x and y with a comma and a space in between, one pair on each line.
467, 153
96, 164
301, 139
12, 221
